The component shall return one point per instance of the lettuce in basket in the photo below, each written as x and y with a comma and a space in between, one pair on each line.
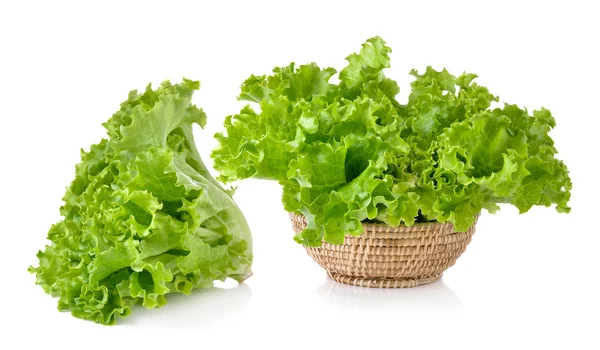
350, 152
143, 216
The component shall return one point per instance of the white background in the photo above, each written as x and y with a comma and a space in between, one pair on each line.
526, 281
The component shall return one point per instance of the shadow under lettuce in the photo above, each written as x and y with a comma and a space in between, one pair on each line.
202, 308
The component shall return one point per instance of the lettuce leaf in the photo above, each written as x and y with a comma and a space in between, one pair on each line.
143, 216
350, 152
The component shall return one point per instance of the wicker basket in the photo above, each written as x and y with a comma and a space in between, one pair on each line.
391, 257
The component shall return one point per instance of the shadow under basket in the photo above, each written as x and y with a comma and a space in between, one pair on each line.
391, 257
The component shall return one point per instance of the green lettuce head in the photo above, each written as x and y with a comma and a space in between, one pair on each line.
350, 152
143, 216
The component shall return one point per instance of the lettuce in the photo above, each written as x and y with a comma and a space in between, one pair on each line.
350, 152
143, 216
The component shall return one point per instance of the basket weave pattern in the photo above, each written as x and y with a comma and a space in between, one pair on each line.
390, 257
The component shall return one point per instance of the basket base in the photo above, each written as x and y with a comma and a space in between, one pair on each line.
383, 282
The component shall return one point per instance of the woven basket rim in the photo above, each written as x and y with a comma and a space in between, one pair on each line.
382, 227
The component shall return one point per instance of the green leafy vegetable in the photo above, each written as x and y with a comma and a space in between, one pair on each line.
143, 216
351, 152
